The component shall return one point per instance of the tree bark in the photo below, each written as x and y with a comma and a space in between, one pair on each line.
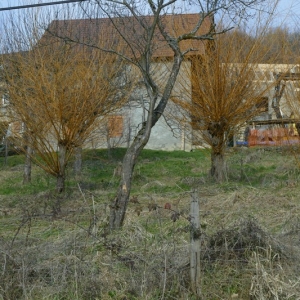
218, 167
6, 151
119, 206
216, 133
27, 165
60, 183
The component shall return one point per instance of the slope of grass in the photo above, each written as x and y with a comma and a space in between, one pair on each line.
59, 246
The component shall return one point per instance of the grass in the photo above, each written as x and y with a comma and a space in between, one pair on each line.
69, 254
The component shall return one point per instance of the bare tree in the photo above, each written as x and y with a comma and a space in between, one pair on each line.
143, 38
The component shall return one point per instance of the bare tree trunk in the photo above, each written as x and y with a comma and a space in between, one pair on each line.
27, 165
129, 133
60, 183
195, 267
78, 161
216, 133
218, 166
28, 156
109, 148
6, 151
119, 206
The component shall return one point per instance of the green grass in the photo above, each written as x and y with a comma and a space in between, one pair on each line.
68, 254
157, 172
11, 161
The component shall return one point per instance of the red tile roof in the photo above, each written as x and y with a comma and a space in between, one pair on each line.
128, 35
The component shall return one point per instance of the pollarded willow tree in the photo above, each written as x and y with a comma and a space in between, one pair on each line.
60, 92
227, 89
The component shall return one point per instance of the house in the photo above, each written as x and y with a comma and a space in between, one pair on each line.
275, 125
122, 127
169, 133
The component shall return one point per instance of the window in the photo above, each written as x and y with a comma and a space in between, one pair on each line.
115, 126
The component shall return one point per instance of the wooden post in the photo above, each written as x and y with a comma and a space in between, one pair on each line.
195, 270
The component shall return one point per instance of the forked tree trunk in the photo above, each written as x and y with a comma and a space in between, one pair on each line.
27, 165
218, 166
60, 182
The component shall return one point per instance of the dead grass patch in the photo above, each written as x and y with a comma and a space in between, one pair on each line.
249, 233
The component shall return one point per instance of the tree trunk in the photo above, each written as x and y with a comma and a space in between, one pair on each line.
28, 155
27, 165
60, 183
119, 206
109, 148
6, 151
78, 161
216, 132
218, 166
195, 245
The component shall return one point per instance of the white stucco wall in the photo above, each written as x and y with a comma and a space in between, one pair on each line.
170, 133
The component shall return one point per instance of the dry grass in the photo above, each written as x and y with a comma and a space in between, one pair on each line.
250, 236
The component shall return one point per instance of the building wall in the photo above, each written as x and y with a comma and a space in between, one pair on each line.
169, 133
172, 131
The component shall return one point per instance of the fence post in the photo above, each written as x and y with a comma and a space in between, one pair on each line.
195, 244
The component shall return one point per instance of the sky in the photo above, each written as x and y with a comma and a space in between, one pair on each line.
287, 13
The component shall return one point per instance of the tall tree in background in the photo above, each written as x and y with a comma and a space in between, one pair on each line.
281, 41
60, 92
226, 92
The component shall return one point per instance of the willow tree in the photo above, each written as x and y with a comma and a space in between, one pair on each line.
61, 92
226, 90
